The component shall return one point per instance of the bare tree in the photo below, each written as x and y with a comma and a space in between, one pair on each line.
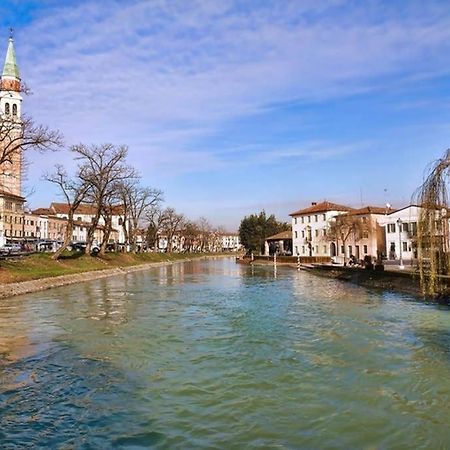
191, 234
136, 201
24, 134
156, 219
205, 229
102, 168
433, 227
74, 192
343, 227
172, 225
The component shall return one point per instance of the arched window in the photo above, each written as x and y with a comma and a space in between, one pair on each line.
14, 109
7, 109
120, 221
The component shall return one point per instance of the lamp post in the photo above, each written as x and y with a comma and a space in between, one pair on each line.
399, 223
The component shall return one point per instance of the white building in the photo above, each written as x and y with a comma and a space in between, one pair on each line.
309, 228
401, 231
231, 242
83, 217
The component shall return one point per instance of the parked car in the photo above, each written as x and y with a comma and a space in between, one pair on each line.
8, 249
77, 245
81, 246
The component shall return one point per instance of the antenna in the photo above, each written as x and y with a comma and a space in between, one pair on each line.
11, 32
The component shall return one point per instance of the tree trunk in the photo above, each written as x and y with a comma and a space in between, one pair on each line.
67, 238
91, 234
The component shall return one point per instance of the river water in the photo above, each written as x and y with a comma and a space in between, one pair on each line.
211, 354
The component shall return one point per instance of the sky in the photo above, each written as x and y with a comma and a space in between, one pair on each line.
233, 106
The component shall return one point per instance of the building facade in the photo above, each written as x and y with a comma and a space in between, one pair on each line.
368, 240
401, 233
309, 228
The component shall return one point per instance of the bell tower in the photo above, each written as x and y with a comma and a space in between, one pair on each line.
11, 124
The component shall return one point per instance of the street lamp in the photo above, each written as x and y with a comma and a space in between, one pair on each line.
399, 223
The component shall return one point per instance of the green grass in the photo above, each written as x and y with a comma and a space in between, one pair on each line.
40, 265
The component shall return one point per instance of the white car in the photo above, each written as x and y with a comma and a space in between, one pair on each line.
7, 249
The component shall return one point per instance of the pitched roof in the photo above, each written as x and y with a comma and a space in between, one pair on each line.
321, 207
84, 208
372, 210
280, 236
11, 69
42, 211
9, 194
63, 208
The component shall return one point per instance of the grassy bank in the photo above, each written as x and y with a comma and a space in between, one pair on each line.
41, 265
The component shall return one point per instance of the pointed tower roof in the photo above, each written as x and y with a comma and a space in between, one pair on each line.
11, 69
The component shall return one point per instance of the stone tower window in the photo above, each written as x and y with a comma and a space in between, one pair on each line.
7, 109
14, 108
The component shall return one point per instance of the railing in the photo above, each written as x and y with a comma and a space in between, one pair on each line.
293, 259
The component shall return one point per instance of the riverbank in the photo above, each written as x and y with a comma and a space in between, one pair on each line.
39, 272
390, 279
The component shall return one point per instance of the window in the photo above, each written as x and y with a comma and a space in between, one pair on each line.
309, 218
325, 249
303, 233
413, 228
350, 250
317, 249
7, 109
316, 233
316, 218
365, 249
391, 228
296, 250
365, 234
79, 219
14, 109
324, 232
121, 222
342, 249
405, 246
303, 249
324, 217
295, 221
296, 235
405, 226
303, 220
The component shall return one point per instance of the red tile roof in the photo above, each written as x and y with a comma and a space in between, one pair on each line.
43, 211
321, 207
8, 194
84, 208
372, 210
280, 236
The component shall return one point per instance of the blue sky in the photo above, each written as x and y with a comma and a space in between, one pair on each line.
235, 106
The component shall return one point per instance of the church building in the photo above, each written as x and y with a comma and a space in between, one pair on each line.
11, 131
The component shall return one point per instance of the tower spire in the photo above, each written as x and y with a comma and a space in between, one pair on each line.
10, 79
11, 69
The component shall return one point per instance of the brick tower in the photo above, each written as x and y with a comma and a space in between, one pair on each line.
11, 124
11, 164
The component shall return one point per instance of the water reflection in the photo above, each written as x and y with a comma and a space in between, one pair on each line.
211, 354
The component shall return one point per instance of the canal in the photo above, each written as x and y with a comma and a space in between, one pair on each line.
211, 354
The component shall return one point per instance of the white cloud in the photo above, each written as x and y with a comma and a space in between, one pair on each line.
163, 75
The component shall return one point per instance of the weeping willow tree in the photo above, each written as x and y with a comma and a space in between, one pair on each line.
433, 228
